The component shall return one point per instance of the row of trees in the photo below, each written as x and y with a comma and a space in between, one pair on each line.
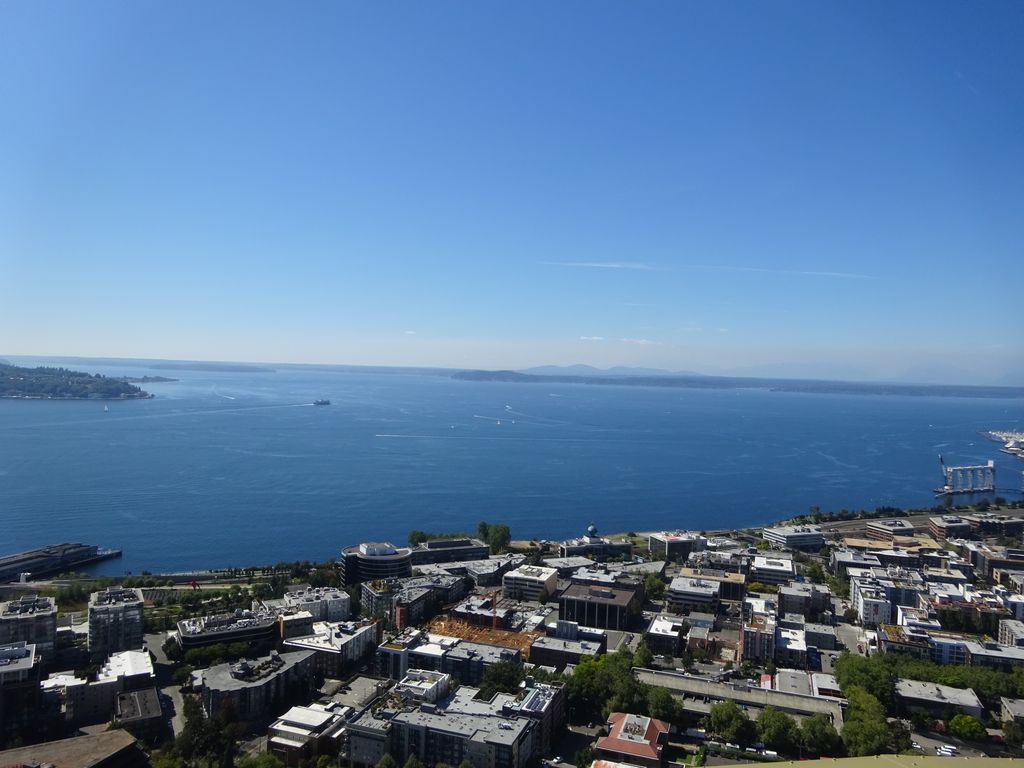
603, 684
496, 535
866, 730
776, 730
878, 674
816, 516
417, 537
414, 762
211, 743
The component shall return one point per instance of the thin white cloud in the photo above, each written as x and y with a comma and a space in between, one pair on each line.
601, 265
963, 79
409, 333
643, 267
591, 338
800, 272
642, 342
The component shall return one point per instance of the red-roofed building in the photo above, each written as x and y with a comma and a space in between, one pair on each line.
634, 739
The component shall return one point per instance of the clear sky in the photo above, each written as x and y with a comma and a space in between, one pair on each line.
818, 187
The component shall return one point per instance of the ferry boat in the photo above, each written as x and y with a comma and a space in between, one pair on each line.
321, 402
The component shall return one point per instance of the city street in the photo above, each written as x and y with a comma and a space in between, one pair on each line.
851, 637
163, 669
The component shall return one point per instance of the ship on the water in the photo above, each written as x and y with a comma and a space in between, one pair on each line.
51, 559
321, 402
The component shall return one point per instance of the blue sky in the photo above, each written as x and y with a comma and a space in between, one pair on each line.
798, 188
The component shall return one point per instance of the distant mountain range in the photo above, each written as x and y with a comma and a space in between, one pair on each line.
678, 381
939, 375
770, 375
589, 370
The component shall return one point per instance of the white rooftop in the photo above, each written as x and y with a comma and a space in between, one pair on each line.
533, 572
773, 564
958, 697
666, 625
127, 664
693, 585
306, 716
791, 639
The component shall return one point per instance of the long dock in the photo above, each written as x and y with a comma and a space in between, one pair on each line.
51, 559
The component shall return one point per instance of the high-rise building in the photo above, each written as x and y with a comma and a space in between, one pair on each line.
115, 621
19, 690
30, 619
374, 560
530, 582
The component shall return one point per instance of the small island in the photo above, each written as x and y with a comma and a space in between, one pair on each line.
63, 384
145, 379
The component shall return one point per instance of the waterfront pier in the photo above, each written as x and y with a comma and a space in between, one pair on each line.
979, 478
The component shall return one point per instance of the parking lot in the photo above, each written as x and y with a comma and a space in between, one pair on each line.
929, 741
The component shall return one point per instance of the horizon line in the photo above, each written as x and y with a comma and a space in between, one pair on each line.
659, 372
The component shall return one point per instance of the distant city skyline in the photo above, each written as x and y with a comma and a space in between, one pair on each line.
826, 190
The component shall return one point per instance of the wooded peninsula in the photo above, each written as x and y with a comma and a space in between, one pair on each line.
63, 384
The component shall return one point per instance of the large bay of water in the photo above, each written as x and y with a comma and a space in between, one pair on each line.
238, 469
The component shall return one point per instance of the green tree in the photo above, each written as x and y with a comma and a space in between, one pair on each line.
814, 571
661, 705
387, 761
1013, 733
181, 675
643, 656
603, 684
585, 756
504, 677
654, 587
777, 730
899, 737
413, 762
465, 764
262, 760
227, 759
499, 537
967, 727
818, 736
866, 673
866, 730
417, 537
168, 757
731, 723
865, 737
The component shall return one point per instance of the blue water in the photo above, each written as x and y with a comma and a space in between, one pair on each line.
238, 469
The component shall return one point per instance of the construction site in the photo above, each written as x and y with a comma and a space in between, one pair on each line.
453, 627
